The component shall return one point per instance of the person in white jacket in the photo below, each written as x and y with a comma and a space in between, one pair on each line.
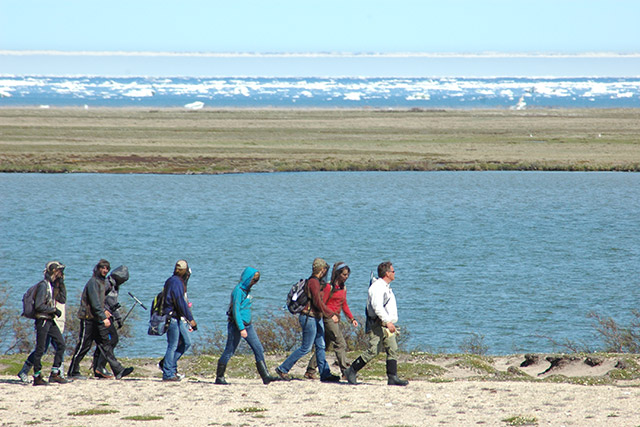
382, 315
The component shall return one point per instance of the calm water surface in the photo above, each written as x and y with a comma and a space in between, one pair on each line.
513, 256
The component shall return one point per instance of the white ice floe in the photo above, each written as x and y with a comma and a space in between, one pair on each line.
194, 105
353, 96
140, 93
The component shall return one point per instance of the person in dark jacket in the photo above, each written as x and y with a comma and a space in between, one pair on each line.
46, 311
60, 299
176, 306
94, 321
112, 288
239, 325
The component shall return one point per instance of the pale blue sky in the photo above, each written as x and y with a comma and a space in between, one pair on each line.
457, 26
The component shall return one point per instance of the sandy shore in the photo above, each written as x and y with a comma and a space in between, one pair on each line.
200, 402
459, 395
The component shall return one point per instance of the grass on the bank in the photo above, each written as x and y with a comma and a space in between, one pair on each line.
413, 366
220, 141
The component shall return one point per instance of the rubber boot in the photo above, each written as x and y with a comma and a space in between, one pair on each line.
220, 374
392, 374
264, 373
352, 370
24, 372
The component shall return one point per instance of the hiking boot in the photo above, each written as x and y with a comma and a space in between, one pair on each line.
123, 373
310, 375
283, 376
39, 380
57, 378
330, 379
78, 377
102, 374
172, 379
24, 373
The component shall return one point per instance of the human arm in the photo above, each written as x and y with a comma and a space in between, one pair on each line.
175, 298
317, 300
347, 310
96, 302
236, 304
42, 300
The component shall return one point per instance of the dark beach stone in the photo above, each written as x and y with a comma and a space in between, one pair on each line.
593, 361
530, 359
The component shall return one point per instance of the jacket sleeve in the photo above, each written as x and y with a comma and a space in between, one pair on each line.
179, 303
345, 306
42, 301
317, 299
376, 297
236, 303
96, 302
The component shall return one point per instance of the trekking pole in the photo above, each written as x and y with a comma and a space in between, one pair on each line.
135, 301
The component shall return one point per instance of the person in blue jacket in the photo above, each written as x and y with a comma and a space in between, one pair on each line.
176, 306
239, 325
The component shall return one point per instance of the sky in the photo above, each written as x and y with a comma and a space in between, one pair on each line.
574, 27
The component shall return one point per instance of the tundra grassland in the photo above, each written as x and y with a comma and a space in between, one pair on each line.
210, 141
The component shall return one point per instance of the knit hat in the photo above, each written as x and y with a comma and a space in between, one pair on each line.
318, 265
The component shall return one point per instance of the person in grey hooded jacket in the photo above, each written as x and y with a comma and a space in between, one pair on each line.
46, 311
94, 323
116, 278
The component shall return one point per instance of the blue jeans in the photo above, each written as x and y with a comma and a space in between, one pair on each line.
312, 333
233, 339
178, 342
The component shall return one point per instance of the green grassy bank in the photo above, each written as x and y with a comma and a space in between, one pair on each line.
229, 141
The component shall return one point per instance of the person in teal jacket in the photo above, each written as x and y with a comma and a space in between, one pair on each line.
239, 326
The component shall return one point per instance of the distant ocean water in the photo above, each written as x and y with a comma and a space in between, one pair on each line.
282, 92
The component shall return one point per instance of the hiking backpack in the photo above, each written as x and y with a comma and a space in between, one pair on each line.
297, 298
29, 302
158, 322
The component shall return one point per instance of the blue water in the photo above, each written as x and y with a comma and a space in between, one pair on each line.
513, 256
312, 92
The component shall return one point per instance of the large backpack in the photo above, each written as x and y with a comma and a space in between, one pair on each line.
297, 298
158, 322
29, 302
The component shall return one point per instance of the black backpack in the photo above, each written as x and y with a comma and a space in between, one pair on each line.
29, 302
297, 298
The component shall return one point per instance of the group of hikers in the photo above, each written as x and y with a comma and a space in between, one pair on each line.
319, 320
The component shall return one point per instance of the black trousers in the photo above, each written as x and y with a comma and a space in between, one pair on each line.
46, 327
90, 331
99, 361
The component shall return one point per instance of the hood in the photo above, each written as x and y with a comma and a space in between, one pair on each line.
245, 279
120, 275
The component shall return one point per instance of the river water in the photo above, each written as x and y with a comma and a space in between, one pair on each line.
517, 257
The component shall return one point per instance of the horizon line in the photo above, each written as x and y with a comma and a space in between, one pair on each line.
488, 54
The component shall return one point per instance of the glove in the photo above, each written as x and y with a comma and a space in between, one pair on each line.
58, 313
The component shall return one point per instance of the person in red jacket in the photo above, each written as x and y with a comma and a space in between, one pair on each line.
335, 298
